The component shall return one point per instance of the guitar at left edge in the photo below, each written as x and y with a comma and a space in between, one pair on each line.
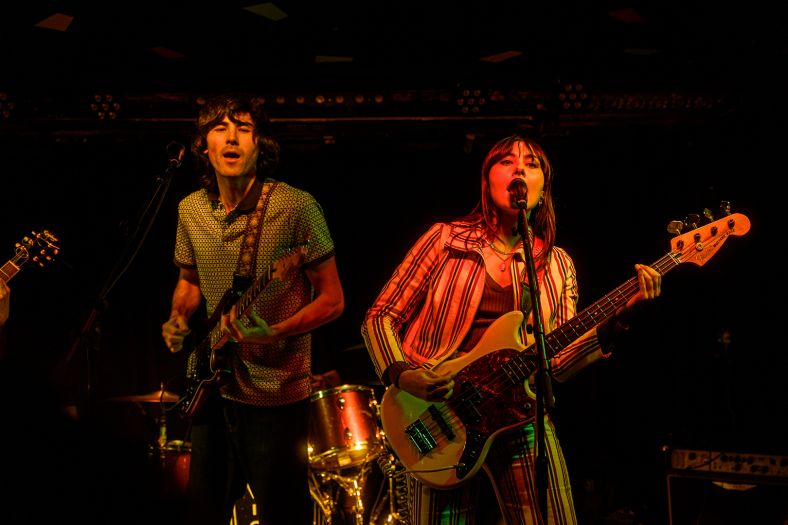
40, 249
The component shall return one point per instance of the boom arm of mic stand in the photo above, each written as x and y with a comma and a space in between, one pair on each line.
146, 218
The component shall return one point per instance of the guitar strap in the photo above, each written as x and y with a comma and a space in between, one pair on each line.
244, 274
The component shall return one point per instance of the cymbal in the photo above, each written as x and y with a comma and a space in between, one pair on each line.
157, 396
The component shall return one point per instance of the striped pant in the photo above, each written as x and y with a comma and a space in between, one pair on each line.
509, 465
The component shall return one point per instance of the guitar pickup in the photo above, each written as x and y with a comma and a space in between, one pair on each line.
420, 436
441, 421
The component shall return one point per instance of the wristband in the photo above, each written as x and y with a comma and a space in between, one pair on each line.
392, 373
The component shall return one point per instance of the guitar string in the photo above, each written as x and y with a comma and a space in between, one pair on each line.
496, 376
662, 265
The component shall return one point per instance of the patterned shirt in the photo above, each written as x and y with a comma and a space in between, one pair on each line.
427, 307
209, 240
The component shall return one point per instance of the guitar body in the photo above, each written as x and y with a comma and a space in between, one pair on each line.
209, 362
211, 369
457, 451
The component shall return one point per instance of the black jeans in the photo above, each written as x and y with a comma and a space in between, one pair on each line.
234, 444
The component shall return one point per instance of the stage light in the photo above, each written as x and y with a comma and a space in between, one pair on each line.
470, 100
105, 107
7, 106
573, 96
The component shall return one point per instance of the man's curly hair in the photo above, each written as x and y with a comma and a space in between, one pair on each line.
230, 105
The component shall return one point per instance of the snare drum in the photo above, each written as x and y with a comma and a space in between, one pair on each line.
343, 427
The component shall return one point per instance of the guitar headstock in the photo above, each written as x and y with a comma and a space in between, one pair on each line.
40, 249
700, 244
289, 262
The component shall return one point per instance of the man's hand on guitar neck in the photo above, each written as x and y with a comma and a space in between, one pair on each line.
258, 330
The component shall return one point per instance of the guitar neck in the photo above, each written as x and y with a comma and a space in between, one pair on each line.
243, 304
251, 293
9, 269
523, 365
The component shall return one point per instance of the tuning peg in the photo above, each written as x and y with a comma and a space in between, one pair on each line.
707, 213
692, 220
725, 208
675, 227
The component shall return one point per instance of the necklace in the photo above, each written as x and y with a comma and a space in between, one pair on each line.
498, 252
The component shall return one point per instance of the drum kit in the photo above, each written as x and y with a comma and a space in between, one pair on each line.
345, 441
170, 457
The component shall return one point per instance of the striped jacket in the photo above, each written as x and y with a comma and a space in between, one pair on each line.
425, 310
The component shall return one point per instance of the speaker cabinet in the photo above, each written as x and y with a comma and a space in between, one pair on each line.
694, 500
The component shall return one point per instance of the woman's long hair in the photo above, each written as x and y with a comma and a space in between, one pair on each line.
542, 218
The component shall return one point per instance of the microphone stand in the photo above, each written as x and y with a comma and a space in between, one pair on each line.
544, 388
175, 153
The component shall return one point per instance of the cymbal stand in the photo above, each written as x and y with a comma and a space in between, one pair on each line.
324, 499
393, 471
352, 483
162, 440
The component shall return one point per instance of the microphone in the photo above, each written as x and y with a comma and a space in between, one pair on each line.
175, 153
519, 191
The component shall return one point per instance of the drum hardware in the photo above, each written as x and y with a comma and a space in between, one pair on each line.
170, 458
396, 495
344, 439
325, 489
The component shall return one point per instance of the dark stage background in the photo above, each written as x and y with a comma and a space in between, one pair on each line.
617, 186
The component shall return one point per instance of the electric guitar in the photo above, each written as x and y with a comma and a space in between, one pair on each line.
209, 360
40, 249
445, 443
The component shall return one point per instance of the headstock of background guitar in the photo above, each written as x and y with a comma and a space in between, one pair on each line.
41, 248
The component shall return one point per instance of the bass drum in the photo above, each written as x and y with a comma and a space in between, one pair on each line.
343, 428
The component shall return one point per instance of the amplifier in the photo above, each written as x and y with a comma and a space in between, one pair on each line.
717, 462
709, 487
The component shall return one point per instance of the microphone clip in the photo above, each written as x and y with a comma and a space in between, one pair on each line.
175, 153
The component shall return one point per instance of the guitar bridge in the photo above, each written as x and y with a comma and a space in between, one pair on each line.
421, 436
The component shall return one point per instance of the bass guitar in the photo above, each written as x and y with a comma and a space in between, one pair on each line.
445, 443
40, 249
209, 360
